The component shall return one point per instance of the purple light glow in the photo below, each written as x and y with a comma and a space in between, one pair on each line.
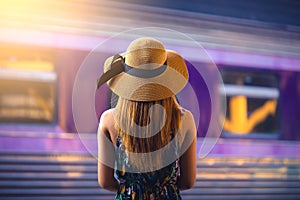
84, 42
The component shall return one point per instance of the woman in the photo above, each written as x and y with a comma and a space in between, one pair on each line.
147, 144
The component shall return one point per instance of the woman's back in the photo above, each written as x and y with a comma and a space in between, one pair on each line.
158, 184
163, 183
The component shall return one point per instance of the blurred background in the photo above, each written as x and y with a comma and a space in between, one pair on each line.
254, 44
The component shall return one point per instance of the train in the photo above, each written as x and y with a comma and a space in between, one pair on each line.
250, 86
261, 102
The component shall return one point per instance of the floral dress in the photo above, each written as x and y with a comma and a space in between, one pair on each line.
156, 185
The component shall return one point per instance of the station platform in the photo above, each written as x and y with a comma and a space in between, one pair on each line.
63, 166
86, 143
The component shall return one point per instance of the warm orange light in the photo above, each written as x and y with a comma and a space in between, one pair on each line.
27, 65
18, 12
41, 14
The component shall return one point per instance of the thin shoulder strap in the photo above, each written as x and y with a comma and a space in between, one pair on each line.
182, 111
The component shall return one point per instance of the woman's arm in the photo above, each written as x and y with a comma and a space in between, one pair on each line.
106, 154
187, 161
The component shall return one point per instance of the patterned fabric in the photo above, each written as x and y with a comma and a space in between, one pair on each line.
157, 185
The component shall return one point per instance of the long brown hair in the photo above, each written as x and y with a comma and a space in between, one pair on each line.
136, 120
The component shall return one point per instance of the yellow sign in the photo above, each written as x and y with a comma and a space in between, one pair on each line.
239, 121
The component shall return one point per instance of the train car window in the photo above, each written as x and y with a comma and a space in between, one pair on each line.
27, 90
252, 103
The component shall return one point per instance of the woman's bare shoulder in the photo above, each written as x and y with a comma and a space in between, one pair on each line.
187, 114
107, 113
188, 120
107, 119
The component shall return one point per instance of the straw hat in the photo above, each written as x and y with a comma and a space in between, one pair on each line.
145, 72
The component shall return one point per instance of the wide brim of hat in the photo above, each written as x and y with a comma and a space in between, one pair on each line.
171, 81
